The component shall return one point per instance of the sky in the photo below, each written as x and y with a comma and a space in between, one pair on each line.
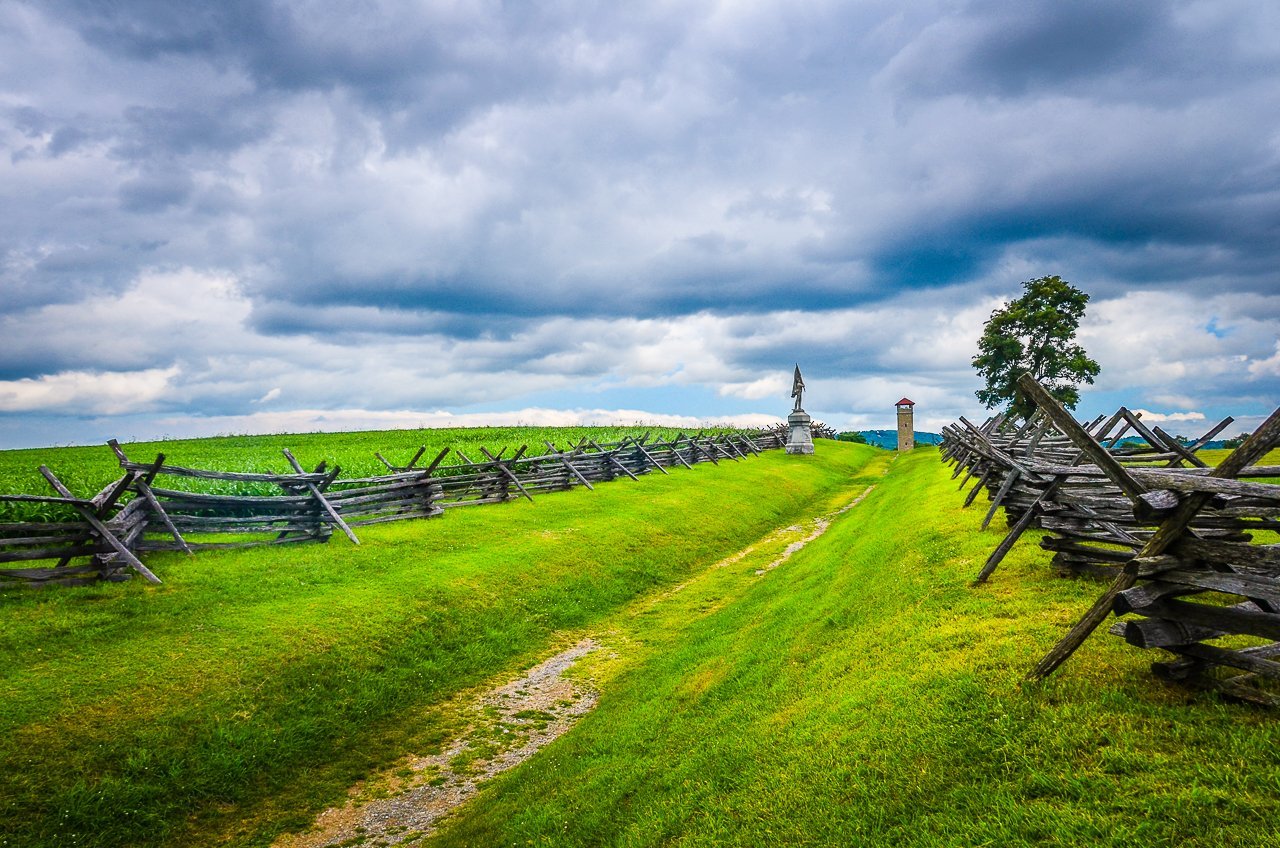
252, 216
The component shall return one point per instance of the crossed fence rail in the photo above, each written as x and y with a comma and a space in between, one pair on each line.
1180, 541
135, 514
818, 429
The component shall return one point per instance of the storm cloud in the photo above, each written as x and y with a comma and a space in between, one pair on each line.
249, 215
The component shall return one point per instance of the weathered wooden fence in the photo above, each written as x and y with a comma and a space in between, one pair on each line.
135, 514
817, 429
1178, 539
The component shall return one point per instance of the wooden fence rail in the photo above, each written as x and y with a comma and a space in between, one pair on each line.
817, 429
1175, 537
135, 514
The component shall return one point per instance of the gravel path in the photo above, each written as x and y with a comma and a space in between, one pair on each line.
509, 725
820, 525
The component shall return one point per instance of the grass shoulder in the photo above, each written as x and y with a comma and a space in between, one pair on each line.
255, 686
865, 694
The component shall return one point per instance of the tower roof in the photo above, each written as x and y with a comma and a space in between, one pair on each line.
905, 402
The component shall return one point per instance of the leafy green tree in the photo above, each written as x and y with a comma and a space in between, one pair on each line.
855, 437
1235, 441
1035, 333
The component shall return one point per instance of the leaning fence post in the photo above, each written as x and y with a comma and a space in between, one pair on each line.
324, 503
1169, 530
96, 523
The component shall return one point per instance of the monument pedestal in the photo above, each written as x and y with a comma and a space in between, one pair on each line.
800, 438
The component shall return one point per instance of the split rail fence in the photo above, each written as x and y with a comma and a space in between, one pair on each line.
136, 514
817, 429
1181, 542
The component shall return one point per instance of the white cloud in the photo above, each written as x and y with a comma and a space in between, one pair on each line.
1269, 367
88, 392
1174, 343
1149, 417
217, 365
341, 420
772, 386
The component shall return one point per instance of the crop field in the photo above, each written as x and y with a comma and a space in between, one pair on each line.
86, 469
856, 691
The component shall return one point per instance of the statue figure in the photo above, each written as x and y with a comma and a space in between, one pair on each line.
797, 389
799, 424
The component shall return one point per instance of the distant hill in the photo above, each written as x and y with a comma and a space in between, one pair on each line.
889, 438
1215, 444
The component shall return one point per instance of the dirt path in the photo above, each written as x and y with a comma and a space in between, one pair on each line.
819, 526
505, 726
509, 724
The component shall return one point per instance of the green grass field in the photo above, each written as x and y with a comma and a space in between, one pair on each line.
860, 693
254, 686
86, 469
865, 694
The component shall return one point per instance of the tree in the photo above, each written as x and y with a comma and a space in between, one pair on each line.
1035, 333
1235, 441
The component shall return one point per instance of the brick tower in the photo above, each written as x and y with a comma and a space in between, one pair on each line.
906, 425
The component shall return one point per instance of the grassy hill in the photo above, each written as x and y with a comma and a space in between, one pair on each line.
858, 693
888, 439
864, 694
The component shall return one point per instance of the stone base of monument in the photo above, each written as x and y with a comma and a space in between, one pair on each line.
800, 439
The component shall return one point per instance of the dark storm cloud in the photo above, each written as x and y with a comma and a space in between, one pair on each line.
185, 130
357, 321
155, 192
616, 128
1137, 51
440, 64
1010, 49
582, 190
146, 29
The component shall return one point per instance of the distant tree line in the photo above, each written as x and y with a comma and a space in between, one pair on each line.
1235, 441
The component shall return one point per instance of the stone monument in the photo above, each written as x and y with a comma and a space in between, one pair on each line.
906, 424
800, 437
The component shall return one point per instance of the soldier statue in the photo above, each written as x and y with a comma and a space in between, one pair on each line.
797, 389
800, 433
